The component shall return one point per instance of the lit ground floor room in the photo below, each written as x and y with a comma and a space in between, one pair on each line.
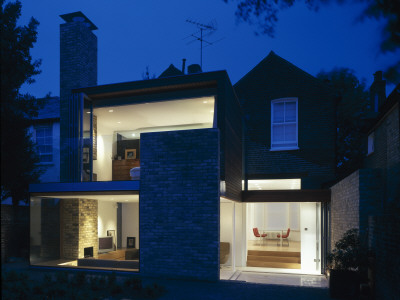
284, 237
85, 231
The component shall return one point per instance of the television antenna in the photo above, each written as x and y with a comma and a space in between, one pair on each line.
204, 30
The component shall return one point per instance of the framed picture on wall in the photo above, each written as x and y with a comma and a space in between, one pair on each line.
130, 242
130, 153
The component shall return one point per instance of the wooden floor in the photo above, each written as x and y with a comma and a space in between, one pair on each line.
274, 245
117, 254
270, 254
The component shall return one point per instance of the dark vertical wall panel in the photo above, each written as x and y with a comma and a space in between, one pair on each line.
179, 204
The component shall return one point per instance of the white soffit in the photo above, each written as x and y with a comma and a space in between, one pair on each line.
107, 198
275, 184
156, 114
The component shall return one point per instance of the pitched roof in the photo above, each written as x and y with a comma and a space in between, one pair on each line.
273, 63
171, 71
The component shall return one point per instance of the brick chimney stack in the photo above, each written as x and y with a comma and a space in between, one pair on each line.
78, 68
377, 92
78, 53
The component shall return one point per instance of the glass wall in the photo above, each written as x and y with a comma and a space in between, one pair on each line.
284, 236
113, 146
85, 231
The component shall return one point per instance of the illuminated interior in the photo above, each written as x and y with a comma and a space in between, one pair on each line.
118, 128
275, 184
85, 231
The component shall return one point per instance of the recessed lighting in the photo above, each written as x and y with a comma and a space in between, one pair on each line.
119, 122
205, 101
133, 134
88, 112
110, 110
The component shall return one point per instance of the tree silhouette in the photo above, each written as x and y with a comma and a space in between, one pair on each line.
18, 157
263, 14
352, 108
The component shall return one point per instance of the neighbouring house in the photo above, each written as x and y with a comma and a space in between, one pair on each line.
369, 198
46, 134
187, 176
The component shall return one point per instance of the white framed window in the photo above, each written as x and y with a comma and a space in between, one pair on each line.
44, 142
371, 142
284, 124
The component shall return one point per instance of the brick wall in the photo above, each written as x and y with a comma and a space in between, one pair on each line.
314, 162
179, 204
14, 231
88, 226
79, 227
78, 68
345, 200
384, 241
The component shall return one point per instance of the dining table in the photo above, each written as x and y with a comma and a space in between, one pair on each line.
274, 233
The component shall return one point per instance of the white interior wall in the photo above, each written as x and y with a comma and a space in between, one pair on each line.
240, 238
274, 216
107, 217
130, 222
102, 166
226, 226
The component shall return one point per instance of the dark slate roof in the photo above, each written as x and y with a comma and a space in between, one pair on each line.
274, 73
50, 109
171, 71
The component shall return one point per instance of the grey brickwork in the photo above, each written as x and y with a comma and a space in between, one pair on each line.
78, 68
179, 204
353, 200
314, 161
345, 199
14, 231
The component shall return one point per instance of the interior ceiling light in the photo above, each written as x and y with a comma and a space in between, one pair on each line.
88, 112
119, 122
211, 111
110, 110
133, 134
205, 101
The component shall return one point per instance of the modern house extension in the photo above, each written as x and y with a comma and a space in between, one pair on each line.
186, 175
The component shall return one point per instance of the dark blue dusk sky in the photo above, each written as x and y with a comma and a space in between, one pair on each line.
135, 34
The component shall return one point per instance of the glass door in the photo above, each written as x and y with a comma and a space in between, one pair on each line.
310, 232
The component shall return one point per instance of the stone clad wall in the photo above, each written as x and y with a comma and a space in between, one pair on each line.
179, 204
79, 227
88, 226
70, 228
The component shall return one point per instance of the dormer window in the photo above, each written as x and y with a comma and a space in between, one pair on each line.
284, 119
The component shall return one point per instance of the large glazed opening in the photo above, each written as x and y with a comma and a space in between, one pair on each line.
279, 237
85, 231
284, 236
111, 134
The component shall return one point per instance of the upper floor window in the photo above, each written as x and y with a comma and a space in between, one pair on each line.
371, 141
284, 119
44, 142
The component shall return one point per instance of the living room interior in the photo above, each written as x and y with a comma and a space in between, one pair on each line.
86, 231
116, 132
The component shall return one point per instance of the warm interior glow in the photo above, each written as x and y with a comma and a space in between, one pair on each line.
274, 184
